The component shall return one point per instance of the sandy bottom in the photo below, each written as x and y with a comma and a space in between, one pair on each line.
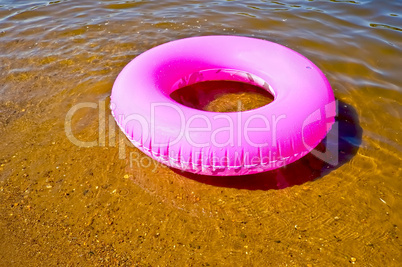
86, 197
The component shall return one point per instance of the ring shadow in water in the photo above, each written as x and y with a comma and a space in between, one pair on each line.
305, 169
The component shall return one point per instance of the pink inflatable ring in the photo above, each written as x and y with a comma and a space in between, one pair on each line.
233, 143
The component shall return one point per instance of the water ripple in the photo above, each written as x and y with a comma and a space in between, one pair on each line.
56, 54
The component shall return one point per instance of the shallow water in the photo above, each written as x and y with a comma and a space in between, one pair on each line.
109, 204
